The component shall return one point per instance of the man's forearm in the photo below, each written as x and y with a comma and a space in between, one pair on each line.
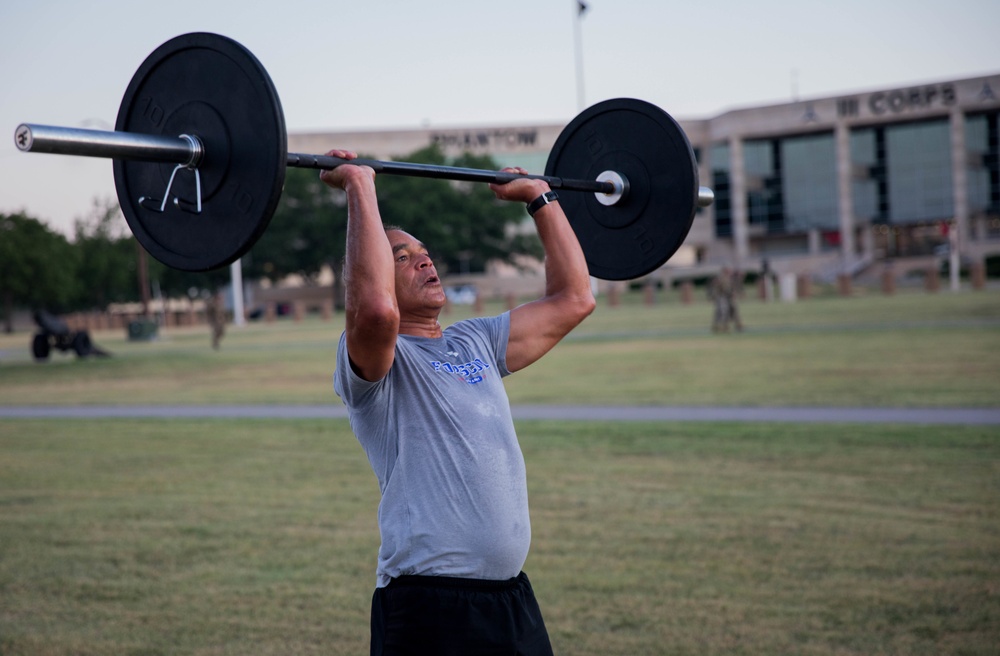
368, 266
566, 271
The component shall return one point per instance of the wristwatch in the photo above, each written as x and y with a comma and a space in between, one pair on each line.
542, 201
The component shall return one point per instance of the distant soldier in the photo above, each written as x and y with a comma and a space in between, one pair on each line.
736, 293
722, 291
215, 313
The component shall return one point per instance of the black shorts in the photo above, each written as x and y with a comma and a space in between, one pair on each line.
443, 615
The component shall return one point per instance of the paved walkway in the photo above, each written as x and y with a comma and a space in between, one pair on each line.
927, 416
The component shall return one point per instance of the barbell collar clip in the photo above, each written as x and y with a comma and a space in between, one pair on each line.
619, 191
705, 196
192, 208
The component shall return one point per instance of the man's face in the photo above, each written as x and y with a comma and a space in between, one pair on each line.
417, 284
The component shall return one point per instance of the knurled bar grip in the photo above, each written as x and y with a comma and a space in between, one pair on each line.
447, 172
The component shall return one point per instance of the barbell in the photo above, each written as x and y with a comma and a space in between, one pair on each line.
201, 123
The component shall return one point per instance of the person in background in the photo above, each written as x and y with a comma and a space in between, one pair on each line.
723, 292
215, 313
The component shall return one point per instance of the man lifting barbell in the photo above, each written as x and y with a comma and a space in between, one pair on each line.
429, 407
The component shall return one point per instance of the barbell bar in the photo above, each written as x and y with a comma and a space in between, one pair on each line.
202, 121
188, 151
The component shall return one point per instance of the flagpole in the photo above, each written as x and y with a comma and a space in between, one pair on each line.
581, 103
581, 7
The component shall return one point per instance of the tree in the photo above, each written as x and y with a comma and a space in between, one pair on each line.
107, 258
174, 282
463, 223
37, 266
307, 231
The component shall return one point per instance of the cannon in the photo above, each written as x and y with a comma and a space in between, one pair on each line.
54, 333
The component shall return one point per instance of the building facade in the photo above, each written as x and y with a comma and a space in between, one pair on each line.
824, 186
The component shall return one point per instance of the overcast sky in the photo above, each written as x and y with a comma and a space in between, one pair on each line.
449, 63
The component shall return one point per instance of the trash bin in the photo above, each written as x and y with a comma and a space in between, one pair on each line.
787, 287
142, 330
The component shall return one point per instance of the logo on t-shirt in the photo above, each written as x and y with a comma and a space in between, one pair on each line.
470, 372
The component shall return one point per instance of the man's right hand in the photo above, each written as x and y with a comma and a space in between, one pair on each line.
340, 177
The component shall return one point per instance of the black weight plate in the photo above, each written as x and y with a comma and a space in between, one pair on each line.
211, 87
647, 147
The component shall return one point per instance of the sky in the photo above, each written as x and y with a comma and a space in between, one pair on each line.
389, 64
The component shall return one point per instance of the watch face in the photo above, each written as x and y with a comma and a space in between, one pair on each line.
541, 201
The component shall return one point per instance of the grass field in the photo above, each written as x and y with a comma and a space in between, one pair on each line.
259, 537
913, 349
211, 537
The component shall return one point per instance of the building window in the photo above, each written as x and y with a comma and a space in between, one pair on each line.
868, 175
902, 173
792, 184
919, 172
809, 183
762, 164
719, 163
983, 163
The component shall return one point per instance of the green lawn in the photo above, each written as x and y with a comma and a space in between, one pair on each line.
259, 537
911, 349
241, 537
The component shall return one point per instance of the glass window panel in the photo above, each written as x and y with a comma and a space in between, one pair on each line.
719, 157
757, 158
809, 181
863, 147
719, 162
977, 134
864, 187
977, 146
918, 160
763, 184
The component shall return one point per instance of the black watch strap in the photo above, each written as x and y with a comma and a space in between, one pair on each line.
542, 201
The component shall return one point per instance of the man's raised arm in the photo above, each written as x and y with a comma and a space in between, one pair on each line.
538, 326
372, 312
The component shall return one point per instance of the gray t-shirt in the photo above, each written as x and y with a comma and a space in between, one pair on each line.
439, 435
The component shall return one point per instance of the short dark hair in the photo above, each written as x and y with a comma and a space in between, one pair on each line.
389, 226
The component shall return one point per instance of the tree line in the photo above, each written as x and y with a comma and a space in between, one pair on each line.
463, 224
